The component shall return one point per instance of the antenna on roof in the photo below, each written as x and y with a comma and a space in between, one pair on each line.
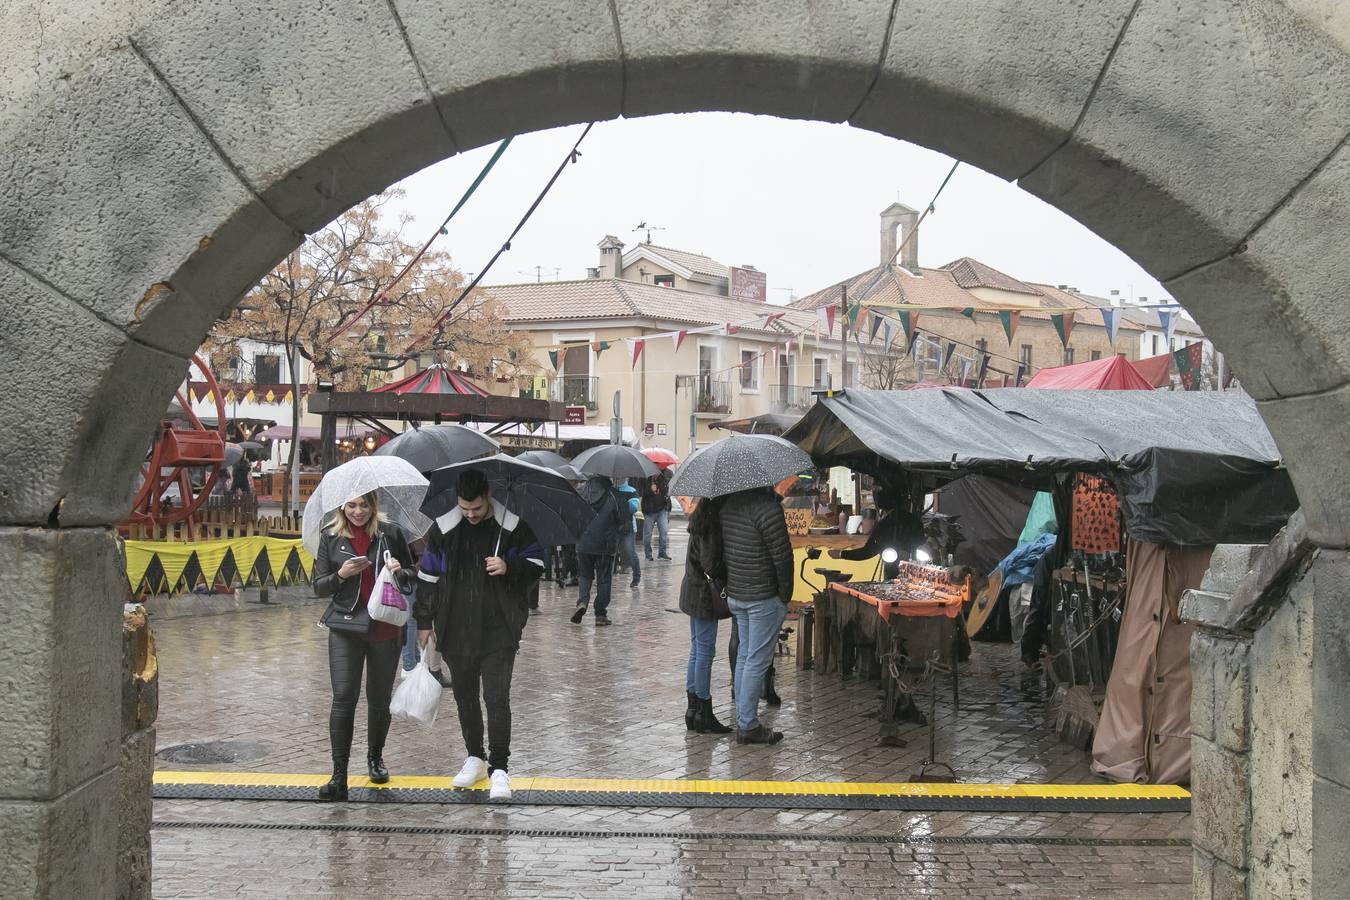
643, 226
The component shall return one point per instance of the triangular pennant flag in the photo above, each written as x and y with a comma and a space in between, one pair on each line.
1021, 370
731, 329
826, 316
886, 334
774, 357
913, 349
908, 320
876, 326
1168, 320
965, 369
679, 337
1063, 323
600, 347
854, 313
1111, 322
787, 348
947, 356
635, 346
1008, 318
969, 313
553, 359
771, 318
984, 370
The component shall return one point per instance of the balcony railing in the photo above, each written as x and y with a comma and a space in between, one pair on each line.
712, 395
784, 397
576, 390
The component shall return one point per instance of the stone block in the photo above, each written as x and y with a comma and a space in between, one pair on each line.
114, 190
1330, 576
1313, 433
954, 72
1228, 565
1232, 695
135, 814
63, 696
1213, 879
1331, 822
796, 60
64, 848
1220, 802
1203, 649
1177, 122
562, 56
140, 672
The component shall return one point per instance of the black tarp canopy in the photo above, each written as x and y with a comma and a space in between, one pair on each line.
1190, 467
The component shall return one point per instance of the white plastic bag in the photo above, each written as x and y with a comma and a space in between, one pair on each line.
418, 696
387, 602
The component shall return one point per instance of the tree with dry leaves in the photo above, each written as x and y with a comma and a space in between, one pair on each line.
884, 368
358, 302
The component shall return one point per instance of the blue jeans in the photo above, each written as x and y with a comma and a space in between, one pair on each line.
628, 553
702, 649
657, 521
410, 652
758, 622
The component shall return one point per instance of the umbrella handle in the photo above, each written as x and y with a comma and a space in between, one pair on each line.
506, 508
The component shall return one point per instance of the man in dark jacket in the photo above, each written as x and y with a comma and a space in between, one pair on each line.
476, 572
598, 545
656, 515
758, 556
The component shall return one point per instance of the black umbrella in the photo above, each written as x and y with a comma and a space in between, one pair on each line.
615, 461
546, 458
436, 446
543, 498
738, 463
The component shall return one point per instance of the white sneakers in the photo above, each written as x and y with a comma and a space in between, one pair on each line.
474, 771
501, 786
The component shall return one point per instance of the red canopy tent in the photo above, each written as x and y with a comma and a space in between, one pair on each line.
1115, 373
1157, 370
437, 379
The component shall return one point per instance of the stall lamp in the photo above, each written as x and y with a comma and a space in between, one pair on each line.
889, 555
923, 555
370, 442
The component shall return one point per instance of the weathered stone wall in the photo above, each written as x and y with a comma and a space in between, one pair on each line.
136, 765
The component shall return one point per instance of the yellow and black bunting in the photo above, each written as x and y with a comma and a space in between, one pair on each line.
170, 566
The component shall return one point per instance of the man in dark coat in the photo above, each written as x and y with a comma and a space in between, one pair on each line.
598, 545
476, 573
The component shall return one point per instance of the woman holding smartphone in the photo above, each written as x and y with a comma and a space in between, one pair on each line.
344, 569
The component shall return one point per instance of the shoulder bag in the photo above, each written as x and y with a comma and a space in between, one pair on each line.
353, 619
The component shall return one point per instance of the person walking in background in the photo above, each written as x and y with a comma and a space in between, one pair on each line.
758, 557
596, 549
656, 515
703, 601
480, 562
628, 555
350, 553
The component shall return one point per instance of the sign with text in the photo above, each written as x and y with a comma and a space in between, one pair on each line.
747, 284
574, 415
527, 442
649, 428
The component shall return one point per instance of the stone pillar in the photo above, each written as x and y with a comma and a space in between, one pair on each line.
1251, 662
140, 707
60, 653
1330, 578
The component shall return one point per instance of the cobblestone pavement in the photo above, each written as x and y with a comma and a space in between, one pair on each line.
608, 703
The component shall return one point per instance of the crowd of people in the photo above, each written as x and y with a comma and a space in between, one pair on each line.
476, 576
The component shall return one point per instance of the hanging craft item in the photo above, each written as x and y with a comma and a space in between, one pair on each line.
1096, 515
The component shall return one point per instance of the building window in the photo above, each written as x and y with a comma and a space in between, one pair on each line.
1024, 357
1096, 355
1155, 343
266, 368
749, 370
821, 372
664, 280
1068, 356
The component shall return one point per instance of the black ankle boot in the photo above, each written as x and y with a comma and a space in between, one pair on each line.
375, 762
770, 695
707, 720
691, 711
336, 788
760, 735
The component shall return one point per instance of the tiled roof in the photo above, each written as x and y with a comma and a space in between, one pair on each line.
613, 298
971, 273
929, 287
694, 262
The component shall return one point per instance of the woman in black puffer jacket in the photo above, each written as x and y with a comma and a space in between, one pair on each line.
758, 557
702, 601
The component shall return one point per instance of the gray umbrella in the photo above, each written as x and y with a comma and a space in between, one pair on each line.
738, 463
436, 446
615, 461
546, 458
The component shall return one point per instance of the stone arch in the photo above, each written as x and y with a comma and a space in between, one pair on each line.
159, 156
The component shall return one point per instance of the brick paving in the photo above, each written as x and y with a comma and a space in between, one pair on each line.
608, 703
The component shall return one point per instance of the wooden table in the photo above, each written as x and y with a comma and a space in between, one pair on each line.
828, 541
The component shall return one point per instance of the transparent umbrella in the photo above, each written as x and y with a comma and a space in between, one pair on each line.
399, 487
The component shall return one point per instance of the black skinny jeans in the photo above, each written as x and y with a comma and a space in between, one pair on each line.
347, 656
493, 670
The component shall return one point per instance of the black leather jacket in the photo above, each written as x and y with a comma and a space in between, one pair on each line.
756, 547
335, 550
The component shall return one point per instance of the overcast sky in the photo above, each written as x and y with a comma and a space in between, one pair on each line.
798, 200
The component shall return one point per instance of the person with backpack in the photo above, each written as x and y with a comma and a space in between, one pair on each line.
597, 547
703, 600
628, 555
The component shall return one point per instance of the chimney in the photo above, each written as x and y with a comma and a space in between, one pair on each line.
611, 257
898, 217
1115, 298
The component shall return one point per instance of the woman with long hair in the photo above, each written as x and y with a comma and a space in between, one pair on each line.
702, 600
350, 553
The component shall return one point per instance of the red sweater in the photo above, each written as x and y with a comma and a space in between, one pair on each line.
379, 631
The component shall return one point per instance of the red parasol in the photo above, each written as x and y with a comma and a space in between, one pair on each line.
437, 379
661, 457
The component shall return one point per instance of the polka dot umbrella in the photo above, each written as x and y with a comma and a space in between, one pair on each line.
739, 463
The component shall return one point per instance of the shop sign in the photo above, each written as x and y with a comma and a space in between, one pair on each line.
574, 415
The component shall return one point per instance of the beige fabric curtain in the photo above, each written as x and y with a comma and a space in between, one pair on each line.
1144, 735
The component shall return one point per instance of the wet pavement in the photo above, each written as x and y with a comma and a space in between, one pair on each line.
608, 703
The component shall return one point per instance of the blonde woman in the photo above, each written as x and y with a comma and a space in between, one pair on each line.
344, 570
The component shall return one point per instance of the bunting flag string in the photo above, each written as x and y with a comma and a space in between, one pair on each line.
947, 356
876, 326
599, 347
635, 346
730, 329
1021, 371
826, 316
854, 312
913, 346
908, 320
553, 358
678, 337
984, 370
771, 318
968, 312
1063, 323
1008, 318
964, 366
1168, 322
1111, 322
886, 334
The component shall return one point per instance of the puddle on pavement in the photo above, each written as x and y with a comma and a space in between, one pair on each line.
215, 753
